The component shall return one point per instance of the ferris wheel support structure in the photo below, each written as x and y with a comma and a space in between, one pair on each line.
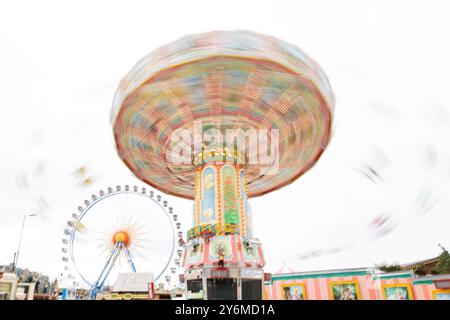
98, 285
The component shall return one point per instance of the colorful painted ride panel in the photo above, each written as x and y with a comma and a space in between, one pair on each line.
221, 247
209, 195
251, 255
230, 200
194, 255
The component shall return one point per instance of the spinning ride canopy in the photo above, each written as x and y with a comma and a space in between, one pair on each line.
227, 79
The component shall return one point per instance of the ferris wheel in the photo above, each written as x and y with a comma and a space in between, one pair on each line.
121, 230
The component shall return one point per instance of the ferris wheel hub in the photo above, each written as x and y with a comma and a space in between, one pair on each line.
121, 236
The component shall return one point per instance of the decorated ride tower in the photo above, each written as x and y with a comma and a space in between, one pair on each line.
222, 258
218, 118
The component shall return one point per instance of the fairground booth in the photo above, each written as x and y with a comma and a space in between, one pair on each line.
356, 284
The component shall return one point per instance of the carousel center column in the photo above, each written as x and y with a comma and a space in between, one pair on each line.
222, 259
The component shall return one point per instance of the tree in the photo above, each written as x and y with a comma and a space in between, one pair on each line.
389, 267
443, 265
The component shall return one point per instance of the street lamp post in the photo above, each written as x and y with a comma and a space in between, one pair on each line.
16, 255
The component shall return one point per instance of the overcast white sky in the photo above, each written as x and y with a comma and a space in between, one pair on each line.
387, 61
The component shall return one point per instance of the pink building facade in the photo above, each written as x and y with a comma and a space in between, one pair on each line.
356, 284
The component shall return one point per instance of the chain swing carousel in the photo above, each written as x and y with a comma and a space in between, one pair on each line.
225, 81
